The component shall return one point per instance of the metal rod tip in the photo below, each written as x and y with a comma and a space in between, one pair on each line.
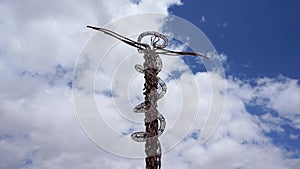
93, 27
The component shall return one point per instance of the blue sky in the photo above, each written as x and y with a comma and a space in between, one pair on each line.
39, 47
261, 38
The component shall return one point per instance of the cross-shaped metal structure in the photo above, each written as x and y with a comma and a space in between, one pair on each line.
154, 121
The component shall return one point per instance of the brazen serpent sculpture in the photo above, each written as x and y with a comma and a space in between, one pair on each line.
154, 121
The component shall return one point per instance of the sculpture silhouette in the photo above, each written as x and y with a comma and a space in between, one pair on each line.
154, 121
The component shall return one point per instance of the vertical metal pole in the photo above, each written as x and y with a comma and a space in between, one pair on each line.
154, 121
152, 145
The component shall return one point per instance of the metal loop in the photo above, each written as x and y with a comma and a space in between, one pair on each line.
141, 108
156, 37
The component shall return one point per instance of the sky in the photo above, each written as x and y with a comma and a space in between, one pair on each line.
261, 37
257, 42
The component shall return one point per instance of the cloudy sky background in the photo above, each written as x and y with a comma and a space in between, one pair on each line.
39, 44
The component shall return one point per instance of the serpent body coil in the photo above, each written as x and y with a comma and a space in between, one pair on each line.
154, 121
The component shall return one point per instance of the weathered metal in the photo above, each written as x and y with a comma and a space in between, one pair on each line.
154, 121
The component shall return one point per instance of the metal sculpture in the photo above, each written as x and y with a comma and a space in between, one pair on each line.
154, 121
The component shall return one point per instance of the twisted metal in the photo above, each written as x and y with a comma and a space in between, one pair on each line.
154, 121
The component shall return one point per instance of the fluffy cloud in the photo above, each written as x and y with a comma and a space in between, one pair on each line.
38, 125
280, 94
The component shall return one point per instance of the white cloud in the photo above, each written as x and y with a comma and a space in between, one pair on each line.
239, 142
38, 124
280, 94
203, 19
225, 24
